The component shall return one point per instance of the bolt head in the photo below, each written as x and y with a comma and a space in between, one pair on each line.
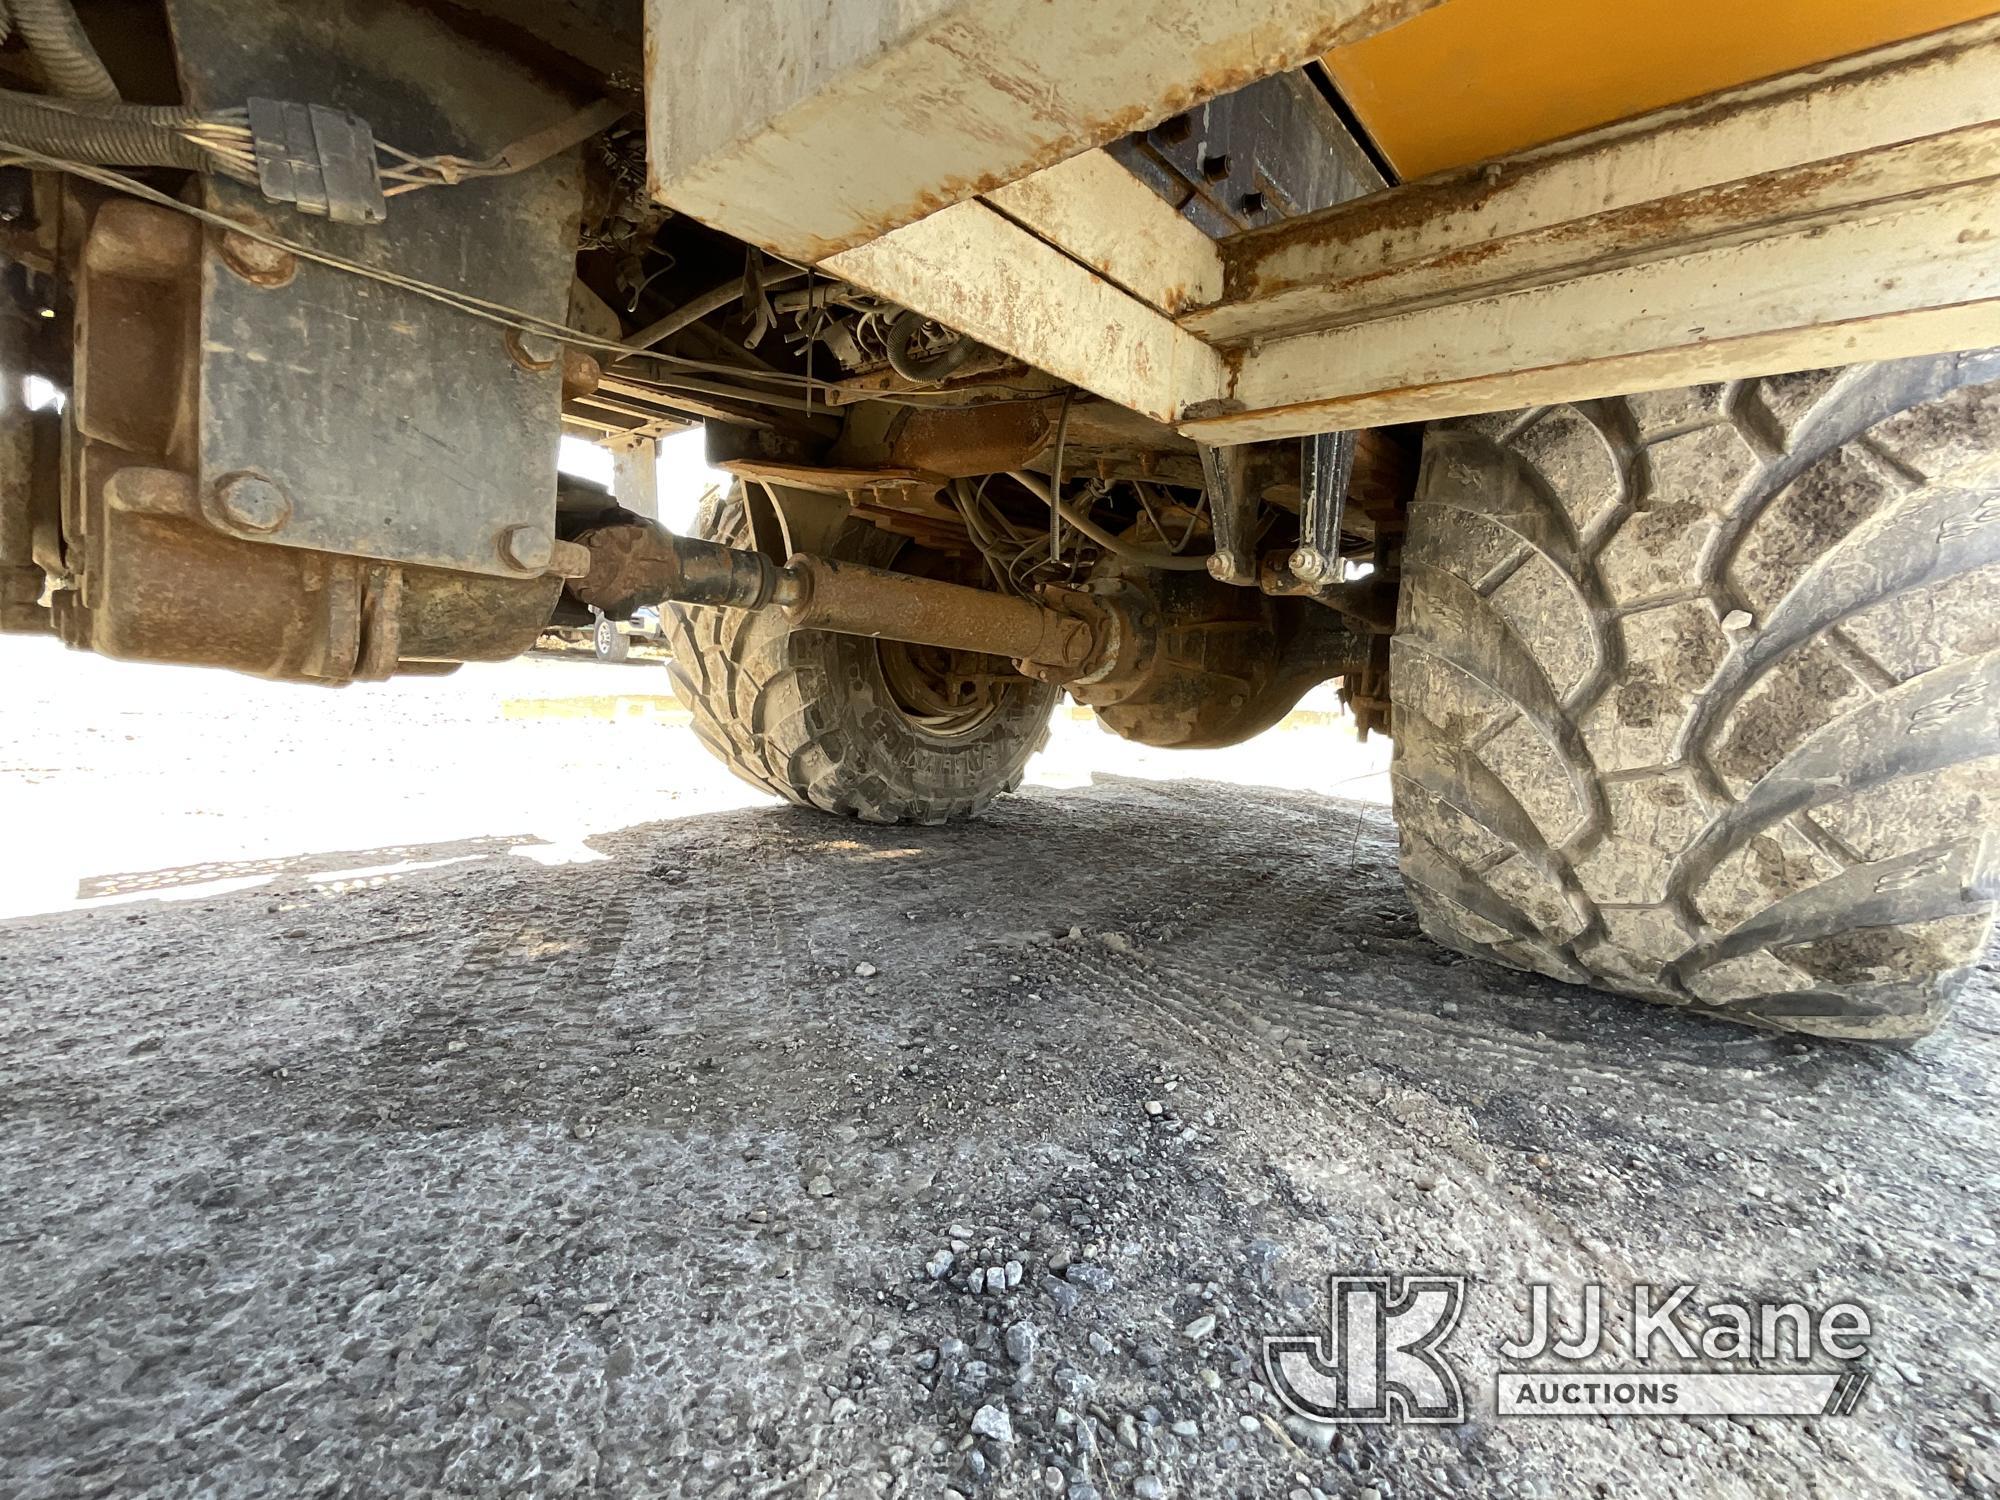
525, 358
529, 548
1310, 564
1218, 567
256, 261
252, 502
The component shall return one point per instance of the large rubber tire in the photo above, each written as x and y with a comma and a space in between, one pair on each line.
1697, 694
810, 716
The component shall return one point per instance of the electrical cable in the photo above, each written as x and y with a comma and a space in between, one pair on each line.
63, 49
1166, 561
465, 302
1145, 493
151, 135
499, 313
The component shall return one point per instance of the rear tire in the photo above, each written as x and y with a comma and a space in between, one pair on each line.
844, 723
1697, 694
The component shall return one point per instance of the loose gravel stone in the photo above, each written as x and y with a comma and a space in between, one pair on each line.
993, 1422
452, 1293
1091, 1278
1021, 1341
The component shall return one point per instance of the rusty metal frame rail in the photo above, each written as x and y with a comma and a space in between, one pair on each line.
1848, 211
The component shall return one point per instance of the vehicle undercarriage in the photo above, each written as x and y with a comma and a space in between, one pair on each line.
1046, 365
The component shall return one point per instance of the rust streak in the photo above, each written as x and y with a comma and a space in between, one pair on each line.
1622, 236
1470, 191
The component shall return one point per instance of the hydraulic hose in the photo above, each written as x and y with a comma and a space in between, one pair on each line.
121, 135
1170, 562
59, 44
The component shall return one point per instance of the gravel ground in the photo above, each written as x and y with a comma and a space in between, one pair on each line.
770, 1155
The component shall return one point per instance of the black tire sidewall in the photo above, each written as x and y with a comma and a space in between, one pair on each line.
863, 754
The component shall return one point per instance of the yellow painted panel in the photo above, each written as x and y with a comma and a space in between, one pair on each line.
1470, 79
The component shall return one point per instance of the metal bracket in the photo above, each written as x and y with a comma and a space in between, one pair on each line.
808, 520
321, 159
1369, 604
1326, 462
1258, 155
1232, 513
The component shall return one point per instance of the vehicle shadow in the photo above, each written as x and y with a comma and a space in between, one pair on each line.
1280, 913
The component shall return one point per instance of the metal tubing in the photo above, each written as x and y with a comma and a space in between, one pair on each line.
851, 599
635, 562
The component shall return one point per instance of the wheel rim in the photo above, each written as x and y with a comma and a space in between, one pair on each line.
946, 694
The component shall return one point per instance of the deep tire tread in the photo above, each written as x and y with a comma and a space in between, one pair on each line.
801, 714
1710, 770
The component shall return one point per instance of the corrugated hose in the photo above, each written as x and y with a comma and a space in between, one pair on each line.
63, 50
129, 135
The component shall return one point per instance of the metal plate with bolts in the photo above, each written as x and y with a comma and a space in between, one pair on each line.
1257, 155
338, 413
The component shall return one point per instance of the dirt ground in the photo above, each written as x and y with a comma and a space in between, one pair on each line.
462, 1094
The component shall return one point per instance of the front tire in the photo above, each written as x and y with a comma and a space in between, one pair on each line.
868, 729
1697, 694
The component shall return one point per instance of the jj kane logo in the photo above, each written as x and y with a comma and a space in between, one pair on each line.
1383, 1356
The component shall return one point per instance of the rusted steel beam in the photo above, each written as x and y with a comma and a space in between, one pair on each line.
809, 128
1918, 276
1095, 209
1859, 130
